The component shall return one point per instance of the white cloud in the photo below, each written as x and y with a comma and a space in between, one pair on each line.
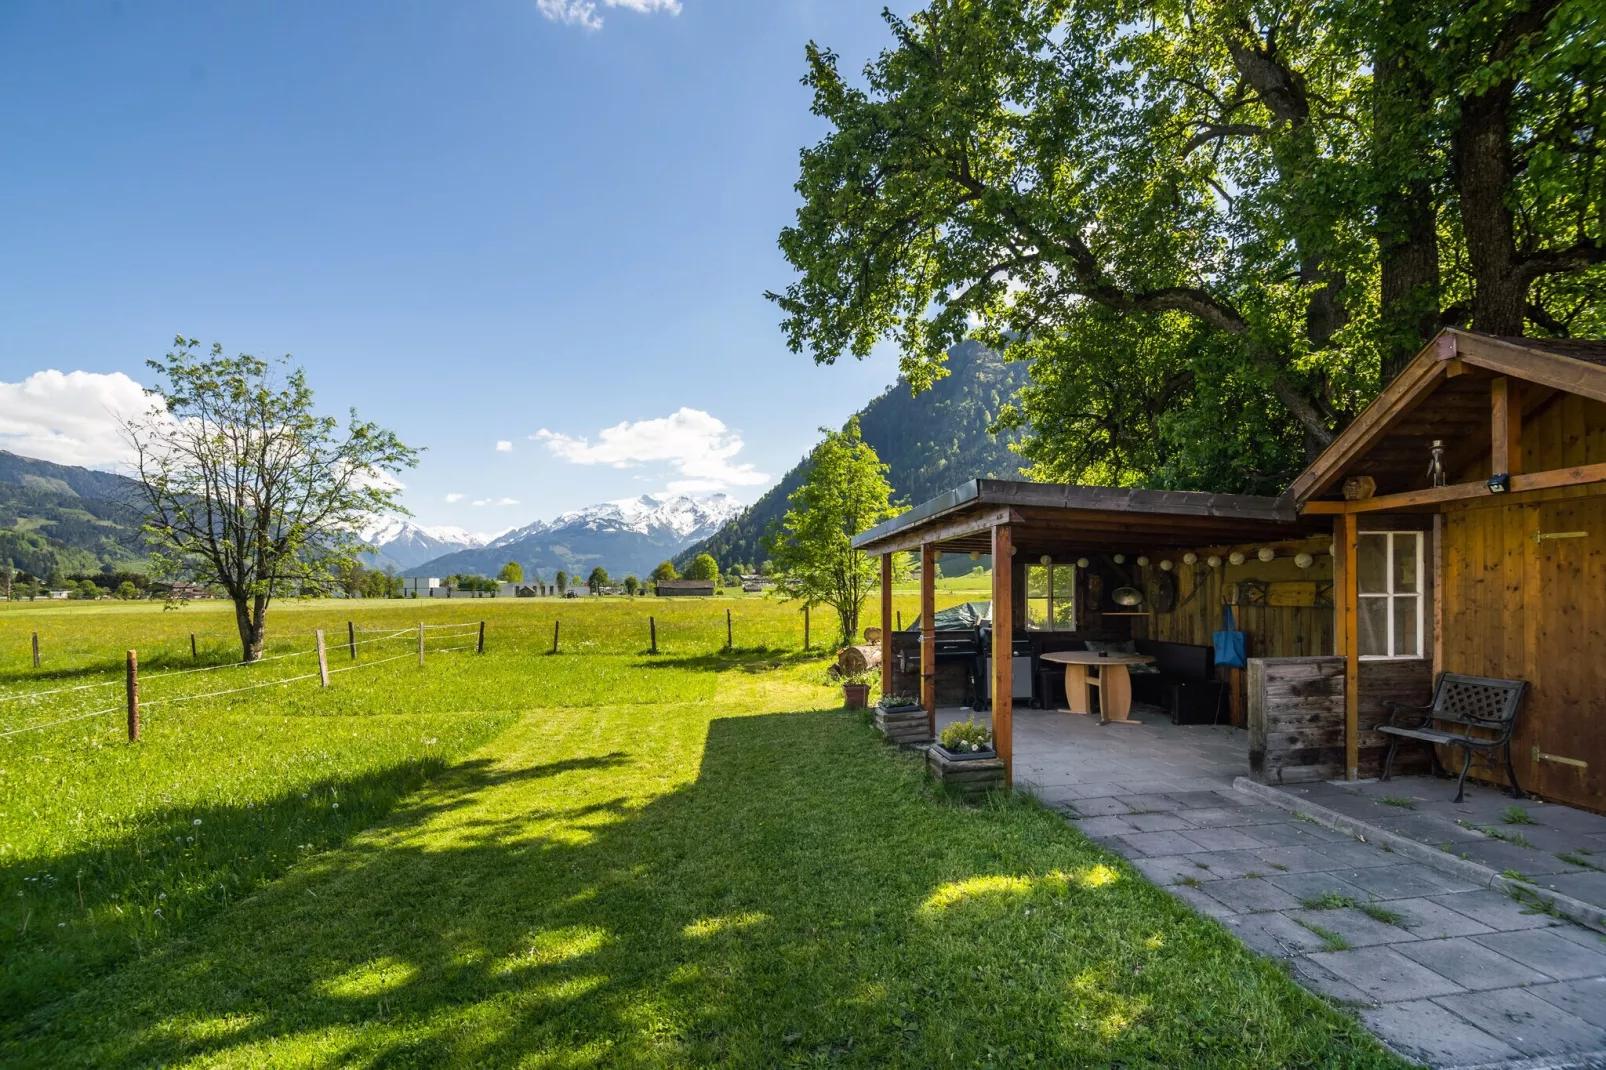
495, 501
454, 497
583, 13
71, 417
693, 443
504, 446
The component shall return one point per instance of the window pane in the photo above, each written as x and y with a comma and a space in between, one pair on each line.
1373, 614
1372, 564
1036, 581
1037, 613
1064, 615
1064, 583
1406, 642
1405, 547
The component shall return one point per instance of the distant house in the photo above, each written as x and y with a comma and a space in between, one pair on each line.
684, 588
179, 592
418, 586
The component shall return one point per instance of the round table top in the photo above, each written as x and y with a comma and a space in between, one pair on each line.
1088, 657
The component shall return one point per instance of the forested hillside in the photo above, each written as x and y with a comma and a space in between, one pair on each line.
56, 517
931, 442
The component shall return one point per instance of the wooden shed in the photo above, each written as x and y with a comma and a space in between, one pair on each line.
684, 588
1459, 524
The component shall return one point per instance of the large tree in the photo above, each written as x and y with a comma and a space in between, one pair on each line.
246, 487
844, 493
1202, 218
703, 567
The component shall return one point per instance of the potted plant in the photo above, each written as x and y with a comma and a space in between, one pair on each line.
903, 720
899, 703
967, 741
856, 691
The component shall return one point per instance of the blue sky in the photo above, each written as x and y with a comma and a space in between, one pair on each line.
477, 222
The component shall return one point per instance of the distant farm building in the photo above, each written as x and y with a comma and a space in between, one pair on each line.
685, 588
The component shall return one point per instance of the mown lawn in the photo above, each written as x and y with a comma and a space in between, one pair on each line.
708, 865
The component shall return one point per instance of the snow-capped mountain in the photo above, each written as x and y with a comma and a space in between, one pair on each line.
403, 544
624, 536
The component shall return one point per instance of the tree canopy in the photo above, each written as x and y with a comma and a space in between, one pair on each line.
512, 572
598, 579
703, 567
845, 493
665, 571
1216, 227
246, 487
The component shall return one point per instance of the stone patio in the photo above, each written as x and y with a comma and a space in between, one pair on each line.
1444, 971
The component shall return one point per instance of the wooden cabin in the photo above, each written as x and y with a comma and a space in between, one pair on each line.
1459, 524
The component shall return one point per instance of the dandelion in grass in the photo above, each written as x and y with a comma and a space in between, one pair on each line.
197, 821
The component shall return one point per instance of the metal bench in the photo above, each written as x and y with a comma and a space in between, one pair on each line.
1470, 701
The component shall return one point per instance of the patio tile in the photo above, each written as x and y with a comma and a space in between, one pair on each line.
1107, 806
1427, 920
1384, 974
1297, 859
1155, 843
1146, 822
1584, 998
1246, 895
1503, 856
1282, 834
1222, 839
1352, 854
1588, 886
1581, 936
1494, 909
1098, 827
1550, 954
1357, 929
1167, 870
1526, 1022
1407, 881
1470, 964
1203, 904
1315, 885
1317, 979
1232, 863
1425, 1032
1275, 935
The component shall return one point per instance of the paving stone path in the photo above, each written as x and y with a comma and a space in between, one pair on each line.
1444, 971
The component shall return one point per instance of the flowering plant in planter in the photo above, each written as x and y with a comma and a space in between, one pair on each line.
966, 737
898, 702
856, 689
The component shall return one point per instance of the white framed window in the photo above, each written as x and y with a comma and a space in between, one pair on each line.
1388, 586
1051, 598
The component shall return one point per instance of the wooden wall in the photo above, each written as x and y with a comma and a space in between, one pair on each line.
1296, 717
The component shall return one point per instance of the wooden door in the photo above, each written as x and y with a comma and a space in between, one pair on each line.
1565, 547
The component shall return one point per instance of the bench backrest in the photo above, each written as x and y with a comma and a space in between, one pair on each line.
1479, 701
1180, 661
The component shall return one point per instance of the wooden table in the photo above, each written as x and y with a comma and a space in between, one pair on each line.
1112, 680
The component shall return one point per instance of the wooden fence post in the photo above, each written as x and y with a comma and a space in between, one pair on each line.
195, 653
36, 650
481, 649
555, 637
351, 639
652, 626
805, 626
133, 697
420, 644
900, 620
729, 644
323, 660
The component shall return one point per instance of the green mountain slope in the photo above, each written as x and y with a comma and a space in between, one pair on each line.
931, 443
57, 517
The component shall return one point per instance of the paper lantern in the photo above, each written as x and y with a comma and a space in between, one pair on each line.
1303, 560
1332, 549
975, 555
1143, 562
1267, 554
1082, 562
1119, 559
1213, 561
1166, 565
1190, 558
1045, 560
1235, 558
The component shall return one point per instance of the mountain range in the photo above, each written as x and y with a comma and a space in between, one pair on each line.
931, 442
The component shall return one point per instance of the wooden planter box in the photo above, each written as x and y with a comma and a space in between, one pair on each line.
971, 777
903, 724
855, 696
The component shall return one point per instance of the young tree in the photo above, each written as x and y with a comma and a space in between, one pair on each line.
665, 571
562, 581
632, 585
703, 567
844, 493
512, 572
127, 591
245, 487
598, 579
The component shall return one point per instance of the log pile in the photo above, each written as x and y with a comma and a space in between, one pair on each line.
855, 660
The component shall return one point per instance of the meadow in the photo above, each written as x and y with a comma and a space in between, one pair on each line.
599, 858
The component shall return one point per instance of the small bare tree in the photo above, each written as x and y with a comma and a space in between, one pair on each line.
243, 486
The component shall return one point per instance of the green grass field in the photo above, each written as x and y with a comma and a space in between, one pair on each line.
596, 859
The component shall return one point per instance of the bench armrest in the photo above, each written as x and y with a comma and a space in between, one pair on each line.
1396, 708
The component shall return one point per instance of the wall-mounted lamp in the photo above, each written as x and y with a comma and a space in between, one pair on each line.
1082, 562
1266, 553
1499, 484
1304, 560
1190, 558
1235, 558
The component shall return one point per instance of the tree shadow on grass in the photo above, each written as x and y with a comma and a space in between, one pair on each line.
69, 918
803, 902
750, 659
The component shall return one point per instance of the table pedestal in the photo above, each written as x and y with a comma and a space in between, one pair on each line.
1115, 690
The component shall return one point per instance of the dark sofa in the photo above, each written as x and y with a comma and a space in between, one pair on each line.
1184, 684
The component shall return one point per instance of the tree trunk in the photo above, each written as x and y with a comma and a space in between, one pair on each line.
1483, 175
250, 618
1407, 214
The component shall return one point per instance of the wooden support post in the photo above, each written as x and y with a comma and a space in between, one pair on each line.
195, 653
36, 650
351, 639
1505, 428
729, 643
481, 648
420, 644
805, 626
1003, 682
886, 624
928, 635
323, 660
1346, 636
652, 632
1438, 596
133, 697
554, 637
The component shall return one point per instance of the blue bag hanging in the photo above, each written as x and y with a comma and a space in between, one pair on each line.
1230, 650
